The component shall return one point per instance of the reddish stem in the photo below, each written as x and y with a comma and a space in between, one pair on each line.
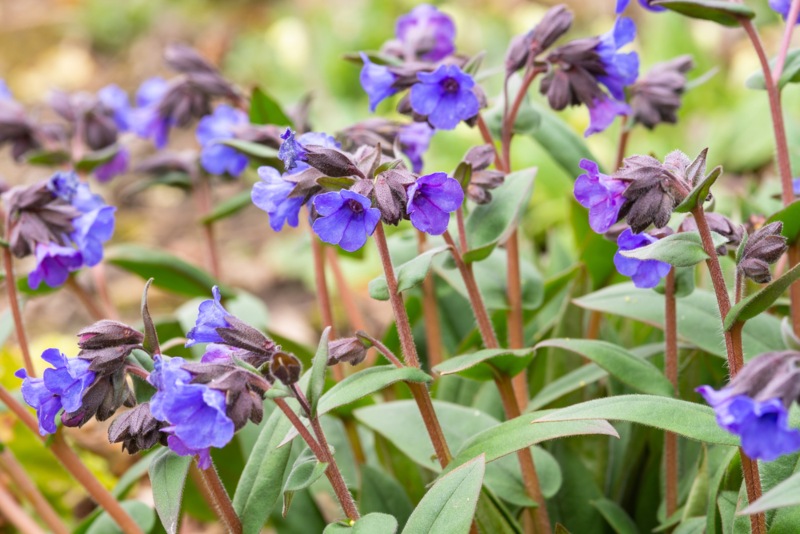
323, 295
86, 299
13, 302
101, 283
430, 310
791, 21
221, 500
205, 204
11, 510
671, 368
383, 349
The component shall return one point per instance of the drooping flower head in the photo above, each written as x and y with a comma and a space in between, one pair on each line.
426, 32
291, 151
414, 140
644, 273
61, 387
115, 98
431, 200
601, 194
345, 219
211, 315
217, 158
782, 7
656, 96
271, 194
377, 81
53, 265
146, 121
445, 96
114, 167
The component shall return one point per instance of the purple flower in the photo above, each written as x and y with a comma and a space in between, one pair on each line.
428, 31
53, 264
601, 194
345, 219
647, 4
195, 412
645, 273
377, 81
60, 387
146, 121
271, 194
414, 140
216, 353
217, 158
5, 92
602, 113
796, 186
291, 151
66, 186
445, 97
211, 315
431, 199
116, 99
92, 229
782, 7
621, 69
113, 167
181, 449
762, 425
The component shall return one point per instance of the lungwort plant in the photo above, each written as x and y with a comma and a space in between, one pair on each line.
522, 384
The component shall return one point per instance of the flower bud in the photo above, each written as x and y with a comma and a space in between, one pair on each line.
137, 429
243, 390
286, 368
107, 333
186, 59
347, 349
102, 399
656, 96
480, 157
243, 336
331, 162
390, 194
762, 249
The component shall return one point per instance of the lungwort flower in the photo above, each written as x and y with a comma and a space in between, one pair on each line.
431, 200
782, 7
601, 194
445, 96
345, 219
215, 157
644, 273
271, 194
426, 32
377, 81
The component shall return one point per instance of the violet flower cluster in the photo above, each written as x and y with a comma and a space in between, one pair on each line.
369, 188
755, 405
61, 223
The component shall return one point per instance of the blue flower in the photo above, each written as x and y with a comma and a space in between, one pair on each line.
621, 69
796, 186
116, 99
601, 194
271, 194
217, 158
445, 96
647, 4
291, 151
644, 273
345, 219
113, 167
146, 121
216, 353
782, 7
195, 412
66, 186
377, 81
427, 31
762, 425
53, 264
602, 113
5, 92
92, 229
431, 199
60, 387
414, 140
211, 315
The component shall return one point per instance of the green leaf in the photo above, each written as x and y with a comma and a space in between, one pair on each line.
790, 74
689, 419
484, 364
790, 217
448, 507
374, 523
168, 477
228, 207
698, 318
785, 494
719, 11
504, 478
410, 274
488, 224
367, 382
382, 493
259, 152
305, 471
698, 195
150, 341
621, 364
319, 367
523, 432
265, 110
167, 271
684, 249
262, 478
46, 157
94, 159
759, 302
141, 514
616, 516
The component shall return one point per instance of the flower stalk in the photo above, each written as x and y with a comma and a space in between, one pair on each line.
13, 302
671, 369
433, 329
221, 500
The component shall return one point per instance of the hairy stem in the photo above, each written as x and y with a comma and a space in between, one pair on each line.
221, 500
671, 370
430, 310
323, 295
383, 349
752, 481
504, 385
354, 316
419, 391
13, 302
19, 475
